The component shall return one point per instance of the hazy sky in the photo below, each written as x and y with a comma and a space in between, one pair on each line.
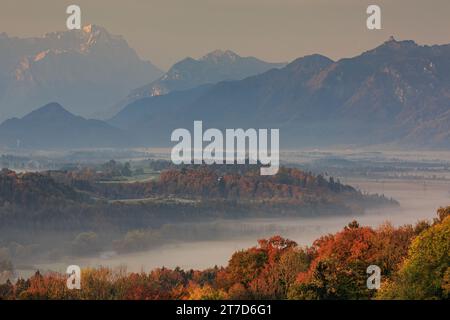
165, 31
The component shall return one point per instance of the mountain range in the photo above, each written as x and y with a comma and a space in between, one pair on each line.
396, 94
216, 66
87, 70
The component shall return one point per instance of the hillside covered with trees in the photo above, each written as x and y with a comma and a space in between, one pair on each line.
86, 199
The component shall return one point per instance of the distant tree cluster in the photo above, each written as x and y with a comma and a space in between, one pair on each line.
34, 190
287, 183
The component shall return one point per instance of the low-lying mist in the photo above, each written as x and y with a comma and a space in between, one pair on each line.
205, 244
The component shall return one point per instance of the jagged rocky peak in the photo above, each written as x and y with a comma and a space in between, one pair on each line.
393, 46
59, 64
220, 55
396, 43
81, 39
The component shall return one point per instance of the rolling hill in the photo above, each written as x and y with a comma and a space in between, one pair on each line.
51, 126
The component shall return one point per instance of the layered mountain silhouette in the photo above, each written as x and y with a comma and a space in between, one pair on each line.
88, 70
397, 93
51, 126
188, 73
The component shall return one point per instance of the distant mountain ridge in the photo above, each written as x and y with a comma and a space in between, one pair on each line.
213, 67
397, 93
51, 126
216, 66
88, 70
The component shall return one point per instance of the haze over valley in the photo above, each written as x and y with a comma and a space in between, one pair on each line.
85, 150
392, 96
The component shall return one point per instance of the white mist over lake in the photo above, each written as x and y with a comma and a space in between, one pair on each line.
418, 200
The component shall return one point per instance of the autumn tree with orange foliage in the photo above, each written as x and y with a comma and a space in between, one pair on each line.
414, 262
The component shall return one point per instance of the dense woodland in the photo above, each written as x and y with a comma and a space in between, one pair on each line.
414, 261
85, 210
87, 199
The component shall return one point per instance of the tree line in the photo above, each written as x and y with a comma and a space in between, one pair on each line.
414, 261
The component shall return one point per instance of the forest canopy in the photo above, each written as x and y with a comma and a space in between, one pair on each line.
82, 198
414, 261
